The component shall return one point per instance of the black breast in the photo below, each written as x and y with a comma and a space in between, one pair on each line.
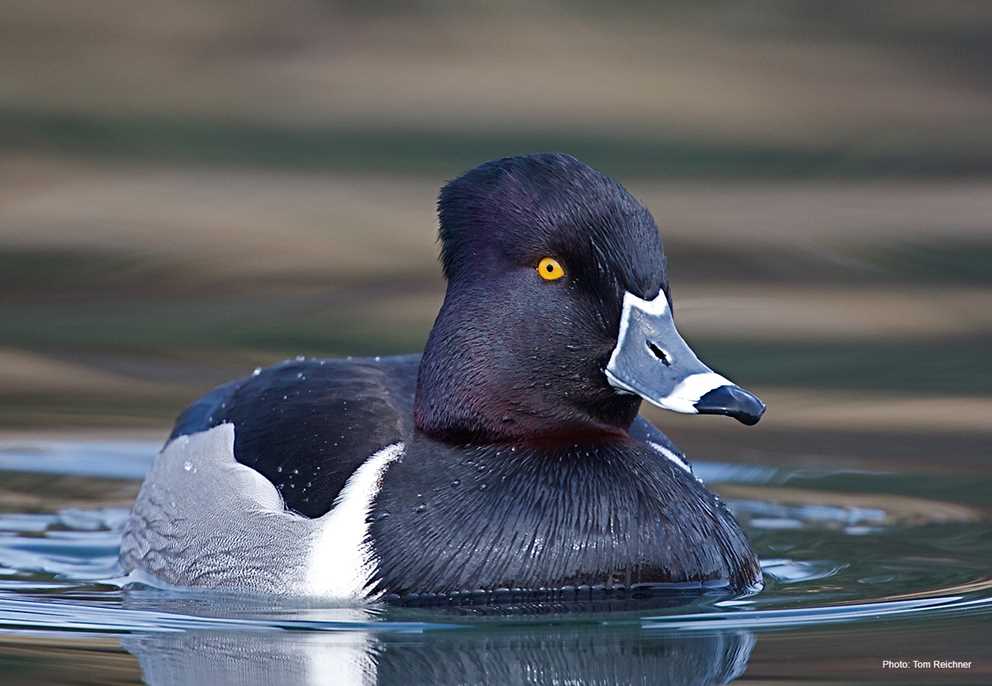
484, 518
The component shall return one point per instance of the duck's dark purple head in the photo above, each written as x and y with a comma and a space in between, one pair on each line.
557, 318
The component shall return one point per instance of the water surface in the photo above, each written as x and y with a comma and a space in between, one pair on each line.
861, 565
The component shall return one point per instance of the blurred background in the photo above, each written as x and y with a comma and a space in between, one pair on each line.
192, 189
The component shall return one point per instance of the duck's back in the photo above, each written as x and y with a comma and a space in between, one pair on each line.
306, 425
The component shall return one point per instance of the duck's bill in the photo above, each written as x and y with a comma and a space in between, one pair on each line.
651, 360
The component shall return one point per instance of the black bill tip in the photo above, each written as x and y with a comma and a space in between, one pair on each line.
732, 401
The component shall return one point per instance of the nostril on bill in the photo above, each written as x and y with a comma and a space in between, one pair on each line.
660, 354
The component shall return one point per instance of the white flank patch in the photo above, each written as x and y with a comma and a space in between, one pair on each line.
342, 562
684, 397
671, 456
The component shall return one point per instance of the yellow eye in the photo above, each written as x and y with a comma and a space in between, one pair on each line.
550, 269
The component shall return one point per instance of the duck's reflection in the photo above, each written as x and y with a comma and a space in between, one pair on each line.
571, 652
215, 658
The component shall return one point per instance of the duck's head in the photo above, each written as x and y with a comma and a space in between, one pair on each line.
557, 318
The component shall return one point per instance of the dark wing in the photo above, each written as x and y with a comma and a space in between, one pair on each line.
646, 432
307, 425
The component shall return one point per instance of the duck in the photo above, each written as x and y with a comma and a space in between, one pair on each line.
509, 460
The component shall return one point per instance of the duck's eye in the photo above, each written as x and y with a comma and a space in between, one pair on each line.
550, 269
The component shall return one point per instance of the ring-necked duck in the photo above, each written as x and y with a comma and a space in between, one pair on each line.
508, 459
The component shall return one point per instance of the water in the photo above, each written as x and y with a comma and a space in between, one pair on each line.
861, 565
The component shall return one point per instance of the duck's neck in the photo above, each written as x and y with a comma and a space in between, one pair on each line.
473, 386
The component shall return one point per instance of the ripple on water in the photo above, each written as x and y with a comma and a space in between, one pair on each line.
866, 552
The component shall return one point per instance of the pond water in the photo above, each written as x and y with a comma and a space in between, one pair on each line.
861, 566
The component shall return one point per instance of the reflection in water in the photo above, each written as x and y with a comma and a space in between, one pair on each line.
538, 655
838, 547
216, 657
